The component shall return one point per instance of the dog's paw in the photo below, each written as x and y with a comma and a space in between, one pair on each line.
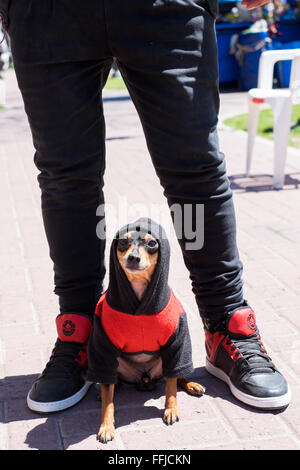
195, 389
106, 433
170, 416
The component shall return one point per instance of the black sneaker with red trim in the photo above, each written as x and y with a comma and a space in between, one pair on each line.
62, 383
236, 355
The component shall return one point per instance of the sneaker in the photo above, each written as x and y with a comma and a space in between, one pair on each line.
236, 355
62, 383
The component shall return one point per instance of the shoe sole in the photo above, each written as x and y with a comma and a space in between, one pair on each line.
267, 403
50, 407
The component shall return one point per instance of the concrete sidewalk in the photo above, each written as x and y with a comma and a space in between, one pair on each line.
268, 237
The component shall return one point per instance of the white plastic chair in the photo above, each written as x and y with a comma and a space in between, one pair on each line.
281, 101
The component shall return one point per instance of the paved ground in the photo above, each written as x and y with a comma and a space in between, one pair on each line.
268, 236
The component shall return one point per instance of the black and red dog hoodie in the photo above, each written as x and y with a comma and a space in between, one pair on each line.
148, 336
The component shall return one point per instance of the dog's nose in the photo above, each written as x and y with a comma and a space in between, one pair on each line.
134, 259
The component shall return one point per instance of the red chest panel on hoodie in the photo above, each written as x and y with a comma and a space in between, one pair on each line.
133, 334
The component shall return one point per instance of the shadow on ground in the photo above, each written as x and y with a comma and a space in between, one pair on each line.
82, 421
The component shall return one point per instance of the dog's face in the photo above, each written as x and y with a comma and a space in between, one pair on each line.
137, 252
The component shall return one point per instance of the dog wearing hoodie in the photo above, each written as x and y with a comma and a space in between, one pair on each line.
140, 331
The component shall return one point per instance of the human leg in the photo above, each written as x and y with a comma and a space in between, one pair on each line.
62, 61
171, 73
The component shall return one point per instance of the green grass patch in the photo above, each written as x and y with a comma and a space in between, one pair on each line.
265, 124
115, 83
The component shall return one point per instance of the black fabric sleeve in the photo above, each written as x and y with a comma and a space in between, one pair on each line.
102, 356
177, 352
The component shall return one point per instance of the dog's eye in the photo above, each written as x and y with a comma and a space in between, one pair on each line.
152, 244
123, 244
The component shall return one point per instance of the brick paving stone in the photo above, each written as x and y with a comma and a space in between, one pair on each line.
247, 422
81, 423
37, 434
182, 435
268, 230
279, 443
90, 443
12, 387
292, 415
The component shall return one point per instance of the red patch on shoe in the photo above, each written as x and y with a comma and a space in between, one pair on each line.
242, 322
82, 356
212, 342
73, 327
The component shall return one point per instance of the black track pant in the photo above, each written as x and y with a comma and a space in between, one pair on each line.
166, 52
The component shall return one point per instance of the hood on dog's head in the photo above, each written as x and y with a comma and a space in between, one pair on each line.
120, 294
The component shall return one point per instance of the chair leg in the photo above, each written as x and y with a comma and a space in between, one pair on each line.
282, 121
252, 130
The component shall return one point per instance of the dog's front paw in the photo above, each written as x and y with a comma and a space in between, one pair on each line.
195, 389
170, 416
106, 433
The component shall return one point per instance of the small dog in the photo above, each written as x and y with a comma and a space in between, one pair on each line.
140, 331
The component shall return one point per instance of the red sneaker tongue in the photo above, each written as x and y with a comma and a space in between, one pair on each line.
242, 322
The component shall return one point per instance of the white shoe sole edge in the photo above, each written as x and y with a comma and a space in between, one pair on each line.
258, 402
50, 407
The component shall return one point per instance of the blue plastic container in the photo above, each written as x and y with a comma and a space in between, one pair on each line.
248, 70
228, 66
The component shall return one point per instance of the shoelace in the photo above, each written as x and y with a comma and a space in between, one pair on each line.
63, 359
253, 351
